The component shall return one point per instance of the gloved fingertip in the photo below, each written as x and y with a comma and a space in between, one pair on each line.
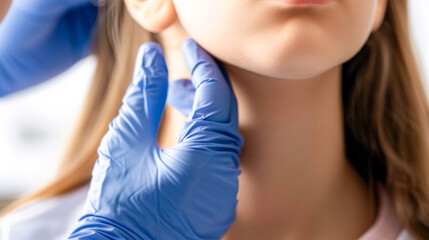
193, 54
188, 46
150, 46
181, 95
188, 43
150, 61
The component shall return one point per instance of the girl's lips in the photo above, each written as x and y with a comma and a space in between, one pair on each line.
304, 2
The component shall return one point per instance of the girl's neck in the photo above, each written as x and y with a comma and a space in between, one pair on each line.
296, 180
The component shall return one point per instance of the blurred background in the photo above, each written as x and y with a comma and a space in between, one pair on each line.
36, 123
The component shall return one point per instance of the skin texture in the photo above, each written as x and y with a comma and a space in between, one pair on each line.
4, 6
285, 67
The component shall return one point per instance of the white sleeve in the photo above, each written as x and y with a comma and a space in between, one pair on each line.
52, 218
405, 235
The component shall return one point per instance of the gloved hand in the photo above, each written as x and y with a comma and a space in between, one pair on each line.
41, 38
139, 191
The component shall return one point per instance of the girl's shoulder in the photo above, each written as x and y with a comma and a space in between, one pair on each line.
50, 218
387, 224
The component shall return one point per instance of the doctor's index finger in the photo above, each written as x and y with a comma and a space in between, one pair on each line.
144, 100
213, 94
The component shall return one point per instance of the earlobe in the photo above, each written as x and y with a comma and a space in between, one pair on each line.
153, 15
380, 14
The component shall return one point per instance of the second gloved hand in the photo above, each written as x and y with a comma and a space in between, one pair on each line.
41, 38
139, 191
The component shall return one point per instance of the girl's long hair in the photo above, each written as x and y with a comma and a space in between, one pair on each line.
385, 112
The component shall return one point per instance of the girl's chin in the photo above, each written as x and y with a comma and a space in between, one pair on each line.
294, 72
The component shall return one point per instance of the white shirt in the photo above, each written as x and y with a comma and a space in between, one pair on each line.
55, 218
52, 218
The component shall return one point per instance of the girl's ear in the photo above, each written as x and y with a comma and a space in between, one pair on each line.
153, 15
381, 12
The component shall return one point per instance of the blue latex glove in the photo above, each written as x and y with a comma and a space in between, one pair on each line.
180, 95
139, 191
41, 38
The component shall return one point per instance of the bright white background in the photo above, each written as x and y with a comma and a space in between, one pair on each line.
35, 123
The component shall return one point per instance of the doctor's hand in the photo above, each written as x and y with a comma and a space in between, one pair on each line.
139, 191
41, 38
